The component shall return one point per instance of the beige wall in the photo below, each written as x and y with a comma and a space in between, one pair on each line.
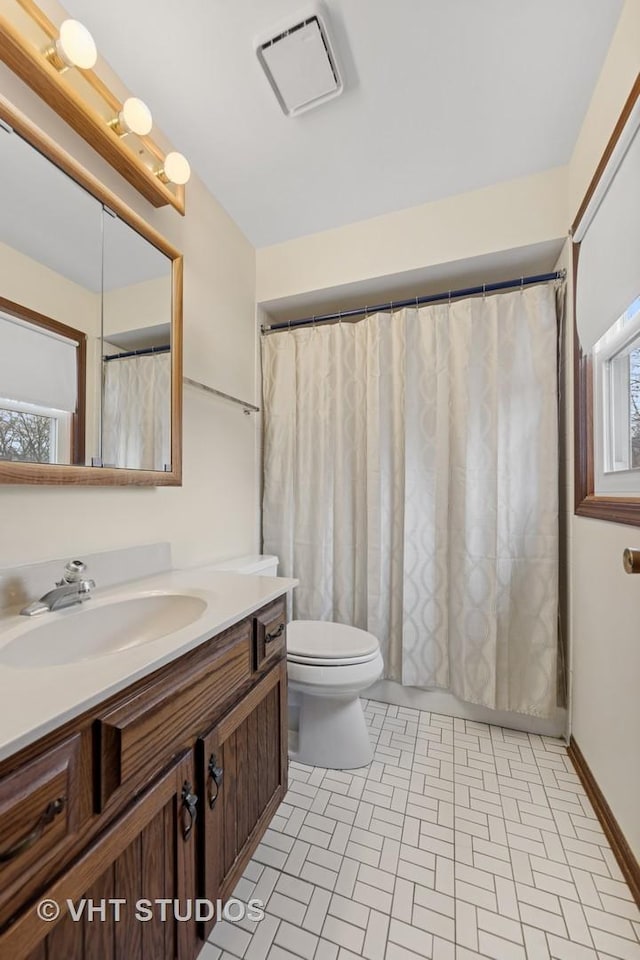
139, 305
214, 513
503, 217
605, 602
35, 286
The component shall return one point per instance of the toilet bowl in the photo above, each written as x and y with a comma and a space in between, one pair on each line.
329, 665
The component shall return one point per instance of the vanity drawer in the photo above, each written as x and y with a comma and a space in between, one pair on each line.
138, 738
270, 628
39, 809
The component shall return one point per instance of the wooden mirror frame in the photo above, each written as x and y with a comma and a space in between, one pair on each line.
12, 471
587, 502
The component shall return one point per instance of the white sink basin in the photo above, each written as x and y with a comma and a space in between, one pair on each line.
90, 631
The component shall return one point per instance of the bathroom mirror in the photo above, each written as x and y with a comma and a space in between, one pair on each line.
90, 326
606, 253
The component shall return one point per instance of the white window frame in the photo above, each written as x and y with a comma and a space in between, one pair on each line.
611, 441
61, 423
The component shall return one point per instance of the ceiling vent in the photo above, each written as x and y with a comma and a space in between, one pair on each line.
300, 64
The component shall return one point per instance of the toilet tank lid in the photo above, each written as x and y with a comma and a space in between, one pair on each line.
326, 640
264, 563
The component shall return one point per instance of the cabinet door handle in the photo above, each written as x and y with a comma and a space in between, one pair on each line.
270, 637
51, 812
215, 775
189, 803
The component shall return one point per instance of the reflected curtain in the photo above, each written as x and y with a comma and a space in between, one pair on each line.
136, 414
411, 484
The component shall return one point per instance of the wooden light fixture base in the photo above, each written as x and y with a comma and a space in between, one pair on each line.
28, 61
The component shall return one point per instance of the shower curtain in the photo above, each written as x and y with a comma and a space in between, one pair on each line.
136, 414
411, 484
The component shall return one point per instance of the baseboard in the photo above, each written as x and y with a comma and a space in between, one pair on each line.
621, 849
441, 701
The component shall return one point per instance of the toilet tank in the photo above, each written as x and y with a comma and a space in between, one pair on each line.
265, 565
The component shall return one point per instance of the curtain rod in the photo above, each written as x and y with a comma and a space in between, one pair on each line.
144, 352
417, 301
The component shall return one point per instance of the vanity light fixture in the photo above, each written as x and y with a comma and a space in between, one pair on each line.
116, 126
176, 169
75, 47
134, 117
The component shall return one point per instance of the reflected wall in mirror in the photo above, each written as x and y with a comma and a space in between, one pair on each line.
90, 326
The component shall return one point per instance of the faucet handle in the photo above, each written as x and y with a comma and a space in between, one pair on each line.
74, 571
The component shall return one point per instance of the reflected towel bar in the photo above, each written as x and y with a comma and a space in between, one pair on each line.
247, 408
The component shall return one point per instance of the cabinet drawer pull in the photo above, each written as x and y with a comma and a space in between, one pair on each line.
189, 803
51, 812
215, 775
270, 637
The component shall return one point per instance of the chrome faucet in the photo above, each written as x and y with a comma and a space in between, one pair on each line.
73, 588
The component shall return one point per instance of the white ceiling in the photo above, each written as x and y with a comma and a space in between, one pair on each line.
441, 97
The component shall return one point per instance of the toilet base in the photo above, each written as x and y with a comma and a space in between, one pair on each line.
332, 732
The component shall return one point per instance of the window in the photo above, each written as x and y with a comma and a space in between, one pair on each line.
616, 358
34, 434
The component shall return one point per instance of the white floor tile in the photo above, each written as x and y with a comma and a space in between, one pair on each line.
460, 841
299, 942
345, 934
411, 938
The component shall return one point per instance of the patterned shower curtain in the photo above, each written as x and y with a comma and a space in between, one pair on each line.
136, 414
411, 484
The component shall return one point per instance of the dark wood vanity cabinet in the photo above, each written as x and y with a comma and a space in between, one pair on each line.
185, 769
243, 768
144, 855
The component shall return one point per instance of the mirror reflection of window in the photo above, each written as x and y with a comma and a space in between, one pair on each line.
42, 409
136, 340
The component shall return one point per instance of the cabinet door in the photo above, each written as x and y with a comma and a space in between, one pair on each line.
243, 777
148, 854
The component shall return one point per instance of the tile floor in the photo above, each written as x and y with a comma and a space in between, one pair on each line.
460, 840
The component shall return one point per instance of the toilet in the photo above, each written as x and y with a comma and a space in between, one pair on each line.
329, 665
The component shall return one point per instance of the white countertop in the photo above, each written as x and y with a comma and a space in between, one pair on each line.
34, 701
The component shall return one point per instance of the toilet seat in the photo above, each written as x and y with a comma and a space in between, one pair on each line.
331, 661
323, 643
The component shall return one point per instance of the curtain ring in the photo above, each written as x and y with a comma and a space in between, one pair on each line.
484, 290
521, 284
340, 318
449, 299
313, 321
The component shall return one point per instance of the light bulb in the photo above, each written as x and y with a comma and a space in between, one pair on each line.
134, 117
176, 168
75, 46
